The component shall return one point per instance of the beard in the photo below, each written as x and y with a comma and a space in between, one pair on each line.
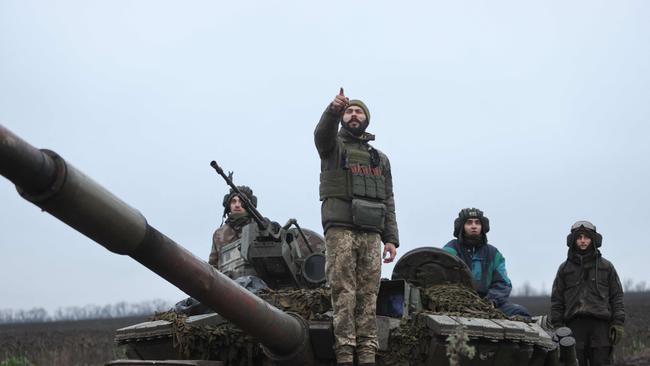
356, 131
474, 240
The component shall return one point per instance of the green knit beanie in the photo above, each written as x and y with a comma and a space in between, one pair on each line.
362, 105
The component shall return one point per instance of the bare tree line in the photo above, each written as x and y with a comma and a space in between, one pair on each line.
123, 309
630, 286
527, 290
71, 313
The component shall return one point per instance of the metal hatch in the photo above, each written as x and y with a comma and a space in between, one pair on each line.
429, 266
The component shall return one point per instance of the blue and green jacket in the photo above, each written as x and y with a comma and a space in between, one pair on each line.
488, 267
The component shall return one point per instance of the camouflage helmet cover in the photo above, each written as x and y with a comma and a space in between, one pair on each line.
468, 213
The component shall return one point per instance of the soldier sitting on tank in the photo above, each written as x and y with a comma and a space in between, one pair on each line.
487, 264
236, 218
228, 260
236, 267
588, 298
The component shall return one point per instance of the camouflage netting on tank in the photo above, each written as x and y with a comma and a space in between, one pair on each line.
226, 342
458, 300
408, 345
410, 341
308, 303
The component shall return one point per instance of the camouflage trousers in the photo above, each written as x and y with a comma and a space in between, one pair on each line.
353, 270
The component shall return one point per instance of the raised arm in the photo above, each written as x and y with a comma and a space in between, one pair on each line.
328, 126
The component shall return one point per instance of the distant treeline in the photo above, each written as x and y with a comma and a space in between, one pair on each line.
118, 310
146, 308
527, 290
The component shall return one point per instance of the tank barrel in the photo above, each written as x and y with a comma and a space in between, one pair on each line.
45, 179
25, 166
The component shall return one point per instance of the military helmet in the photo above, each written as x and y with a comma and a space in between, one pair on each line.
247, 191
587, 228
468, 213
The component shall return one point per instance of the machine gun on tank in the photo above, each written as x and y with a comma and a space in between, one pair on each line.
283, 257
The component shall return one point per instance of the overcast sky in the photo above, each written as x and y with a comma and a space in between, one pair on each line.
535, 112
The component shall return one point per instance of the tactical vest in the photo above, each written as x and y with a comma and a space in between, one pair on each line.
231, 262
359, 179
359, 175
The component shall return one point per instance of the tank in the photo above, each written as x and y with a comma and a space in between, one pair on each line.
290, 323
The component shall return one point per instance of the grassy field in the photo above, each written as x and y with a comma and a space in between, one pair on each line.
83, 342
90, 342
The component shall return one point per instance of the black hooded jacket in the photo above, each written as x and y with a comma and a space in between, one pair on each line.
587, 285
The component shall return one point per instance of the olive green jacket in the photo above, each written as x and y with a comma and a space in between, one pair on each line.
331, 144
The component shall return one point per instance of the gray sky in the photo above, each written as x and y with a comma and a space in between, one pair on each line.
535, 112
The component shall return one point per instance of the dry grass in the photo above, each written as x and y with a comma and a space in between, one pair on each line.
90, 342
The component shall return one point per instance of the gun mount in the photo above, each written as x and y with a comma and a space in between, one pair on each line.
273, 253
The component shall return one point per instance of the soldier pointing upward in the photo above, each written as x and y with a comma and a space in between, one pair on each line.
358, 213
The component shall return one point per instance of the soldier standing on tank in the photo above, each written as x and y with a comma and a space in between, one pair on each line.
487, 264
236, 217
358, 214
588, 297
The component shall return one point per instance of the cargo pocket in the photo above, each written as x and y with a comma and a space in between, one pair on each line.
358, 185
381, 187
368, 215
334, 183
371, 186
603, 284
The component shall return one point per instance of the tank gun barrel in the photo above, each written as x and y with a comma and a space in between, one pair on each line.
45, 179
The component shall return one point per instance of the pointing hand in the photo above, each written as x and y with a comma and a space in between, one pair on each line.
340, 102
